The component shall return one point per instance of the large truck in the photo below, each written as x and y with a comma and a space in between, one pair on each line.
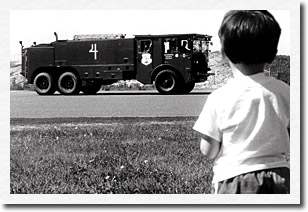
173, 62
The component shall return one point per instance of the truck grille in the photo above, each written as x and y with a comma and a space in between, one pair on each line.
23, 62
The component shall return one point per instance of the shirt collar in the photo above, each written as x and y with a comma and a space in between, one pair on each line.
255, 78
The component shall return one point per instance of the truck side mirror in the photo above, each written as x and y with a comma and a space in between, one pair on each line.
56, 36
21, 44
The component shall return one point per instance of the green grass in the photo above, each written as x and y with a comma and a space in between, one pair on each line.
111, 155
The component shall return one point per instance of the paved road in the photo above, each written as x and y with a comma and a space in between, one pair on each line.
27, 104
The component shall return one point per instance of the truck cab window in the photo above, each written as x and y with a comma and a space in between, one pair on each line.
205, 46
145, 46
184, 46
170, 46
200, 46
197, 46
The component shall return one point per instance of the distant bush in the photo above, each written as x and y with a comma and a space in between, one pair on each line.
280, 68
127, 85
16, 86
14, 64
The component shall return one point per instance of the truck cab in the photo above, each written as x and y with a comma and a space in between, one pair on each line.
173, 62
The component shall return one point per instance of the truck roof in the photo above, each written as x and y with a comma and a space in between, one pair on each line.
98, 36
95, 37
174, 35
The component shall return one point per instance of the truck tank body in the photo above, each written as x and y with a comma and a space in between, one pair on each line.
107, 59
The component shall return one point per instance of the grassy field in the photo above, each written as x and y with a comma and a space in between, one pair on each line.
107, 155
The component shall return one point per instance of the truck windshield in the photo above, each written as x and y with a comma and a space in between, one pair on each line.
200, 46
176, 45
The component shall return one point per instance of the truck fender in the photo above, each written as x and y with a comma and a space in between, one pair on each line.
162, 67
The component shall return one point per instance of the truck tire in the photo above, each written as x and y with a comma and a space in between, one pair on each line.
44, 84
166, 82
68, 84
186, 88
91, 89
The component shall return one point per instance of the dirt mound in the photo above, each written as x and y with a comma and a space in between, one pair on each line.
221, 70
17, 81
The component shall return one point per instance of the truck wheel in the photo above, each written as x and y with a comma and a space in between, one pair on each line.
68, 84
187, 88
91, 89
44, 84
166, 82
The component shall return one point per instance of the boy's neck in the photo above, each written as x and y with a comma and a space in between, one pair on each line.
247, 70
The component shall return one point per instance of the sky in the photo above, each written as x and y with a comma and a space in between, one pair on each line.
39, 25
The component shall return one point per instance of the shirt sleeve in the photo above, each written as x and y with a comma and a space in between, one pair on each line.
208, 121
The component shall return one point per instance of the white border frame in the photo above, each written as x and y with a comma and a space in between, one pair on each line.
293, 198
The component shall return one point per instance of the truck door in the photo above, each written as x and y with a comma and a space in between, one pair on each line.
144, 60
178, 52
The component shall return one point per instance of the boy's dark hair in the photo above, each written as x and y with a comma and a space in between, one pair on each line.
249, 36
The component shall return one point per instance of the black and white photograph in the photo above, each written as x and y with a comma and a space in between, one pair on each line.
170, 105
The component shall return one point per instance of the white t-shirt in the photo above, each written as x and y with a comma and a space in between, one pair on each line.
250, 116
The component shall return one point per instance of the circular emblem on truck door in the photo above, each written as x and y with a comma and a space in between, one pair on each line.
146, 59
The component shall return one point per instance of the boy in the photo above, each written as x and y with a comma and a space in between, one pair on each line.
244, 124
